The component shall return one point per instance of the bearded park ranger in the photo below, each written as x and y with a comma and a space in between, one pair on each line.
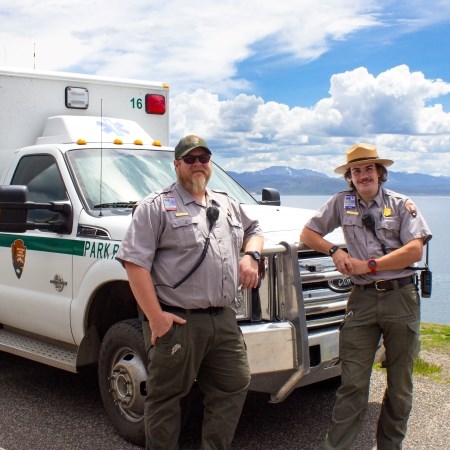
182, 256
385, 234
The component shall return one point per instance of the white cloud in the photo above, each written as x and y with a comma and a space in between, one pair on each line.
189, 44
392, 102
197, 47
391, 110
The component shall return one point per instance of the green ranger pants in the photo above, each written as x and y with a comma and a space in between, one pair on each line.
394, 315
208, 349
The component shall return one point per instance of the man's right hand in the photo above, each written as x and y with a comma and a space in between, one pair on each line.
343, 262
161, 325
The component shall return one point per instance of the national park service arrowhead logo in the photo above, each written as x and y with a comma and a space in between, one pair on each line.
18, 253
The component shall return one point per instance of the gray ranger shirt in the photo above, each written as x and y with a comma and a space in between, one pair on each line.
397, 221
167, 235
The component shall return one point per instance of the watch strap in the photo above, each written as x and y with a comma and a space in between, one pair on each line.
254, 254
372, 264
333, 250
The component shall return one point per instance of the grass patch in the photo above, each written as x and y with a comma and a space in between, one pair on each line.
435, 337
434, 340
422, 367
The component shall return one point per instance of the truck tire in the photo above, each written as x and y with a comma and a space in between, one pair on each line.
122, 374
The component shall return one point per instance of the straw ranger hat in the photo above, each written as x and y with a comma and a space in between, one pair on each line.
362, 154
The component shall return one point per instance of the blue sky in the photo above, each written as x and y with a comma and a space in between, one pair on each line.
266, 82
425, 49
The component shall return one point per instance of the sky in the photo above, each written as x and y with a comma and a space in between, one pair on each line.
266, 82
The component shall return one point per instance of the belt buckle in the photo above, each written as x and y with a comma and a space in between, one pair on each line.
376, 286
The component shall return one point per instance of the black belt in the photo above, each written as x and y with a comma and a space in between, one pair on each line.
212, 310
387, 285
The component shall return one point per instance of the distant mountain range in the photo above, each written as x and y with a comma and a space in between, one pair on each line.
290, 181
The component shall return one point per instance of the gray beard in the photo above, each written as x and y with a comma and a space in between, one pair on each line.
198, 185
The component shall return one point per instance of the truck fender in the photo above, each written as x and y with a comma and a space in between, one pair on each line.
100, 273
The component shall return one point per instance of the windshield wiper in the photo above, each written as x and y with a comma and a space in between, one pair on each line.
116, 205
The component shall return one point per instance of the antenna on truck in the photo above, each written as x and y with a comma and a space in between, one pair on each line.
101, 155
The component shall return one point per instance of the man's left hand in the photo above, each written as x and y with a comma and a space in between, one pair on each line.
248, 272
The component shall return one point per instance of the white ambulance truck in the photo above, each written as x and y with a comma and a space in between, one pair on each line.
76, 153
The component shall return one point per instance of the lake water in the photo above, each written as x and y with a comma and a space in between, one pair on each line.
436, 308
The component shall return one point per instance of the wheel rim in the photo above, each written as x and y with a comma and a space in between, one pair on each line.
127, 383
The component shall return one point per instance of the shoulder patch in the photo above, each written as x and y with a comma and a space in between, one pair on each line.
411, 207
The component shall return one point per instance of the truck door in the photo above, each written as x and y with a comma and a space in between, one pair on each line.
36, 266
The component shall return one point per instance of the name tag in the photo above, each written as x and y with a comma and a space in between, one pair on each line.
350, 201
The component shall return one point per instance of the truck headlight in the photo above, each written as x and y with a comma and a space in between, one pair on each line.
241, 304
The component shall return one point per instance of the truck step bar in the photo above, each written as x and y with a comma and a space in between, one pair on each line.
38, 351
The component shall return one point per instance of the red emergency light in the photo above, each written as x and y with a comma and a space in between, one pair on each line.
155, 104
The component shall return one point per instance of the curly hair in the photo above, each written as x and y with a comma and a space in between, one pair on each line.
382, 176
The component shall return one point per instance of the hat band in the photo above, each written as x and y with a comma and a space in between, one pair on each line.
362, 159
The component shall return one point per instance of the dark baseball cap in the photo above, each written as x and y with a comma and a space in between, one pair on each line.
188, 143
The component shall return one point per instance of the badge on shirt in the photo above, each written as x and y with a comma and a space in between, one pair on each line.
350, 204
170, 204
387, 212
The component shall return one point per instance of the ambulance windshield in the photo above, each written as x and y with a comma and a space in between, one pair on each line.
118, 178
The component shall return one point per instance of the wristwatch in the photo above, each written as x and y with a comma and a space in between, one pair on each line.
333, 250
254, 254
372, 266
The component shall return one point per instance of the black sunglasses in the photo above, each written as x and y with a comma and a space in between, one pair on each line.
190, 159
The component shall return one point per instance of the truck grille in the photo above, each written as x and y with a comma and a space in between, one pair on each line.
325, 291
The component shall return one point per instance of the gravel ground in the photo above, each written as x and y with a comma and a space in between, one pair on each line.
42, 408
428, 426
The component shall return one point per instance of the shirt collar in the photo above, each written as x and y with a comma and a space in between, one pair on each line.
377, 200
187, 197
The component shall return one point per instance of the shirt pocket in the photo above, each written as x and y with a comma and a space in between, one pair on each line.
352, 227
390, 229
185, 231
236, 231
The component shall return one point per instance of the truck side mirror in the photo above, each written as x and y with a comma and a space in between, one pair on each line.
13, 213
270, 196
